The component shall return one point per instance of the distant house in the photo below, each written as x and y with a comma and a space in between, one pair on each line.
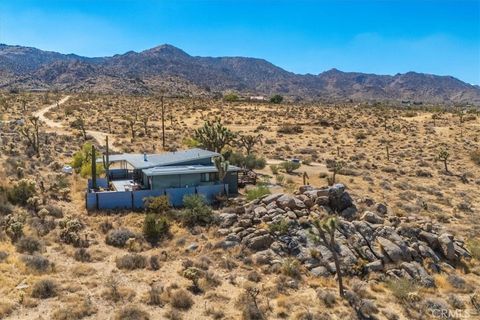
257, 98
174, 174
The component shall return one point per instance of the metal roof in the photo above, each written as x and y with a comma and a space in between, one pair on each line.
138, 161
165, 171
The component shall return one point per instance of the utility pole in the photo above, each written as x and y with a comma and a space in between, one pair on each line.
163, 122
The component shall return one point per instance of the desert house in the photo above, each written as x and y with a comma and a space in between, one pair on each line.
133, 177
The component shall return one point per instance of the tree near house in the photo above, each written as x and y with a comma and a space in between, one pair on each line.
249, 141
277, 99
326, 236
214, 136
443, 156
222, 166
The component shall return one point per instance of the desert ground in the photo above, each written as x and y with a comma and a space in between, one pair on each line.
59, 266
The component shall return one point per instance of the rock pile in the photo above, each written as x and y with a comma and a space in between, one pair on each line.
278, 226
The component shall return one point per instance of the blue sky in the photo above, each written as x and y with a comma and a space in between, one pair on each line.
384, 37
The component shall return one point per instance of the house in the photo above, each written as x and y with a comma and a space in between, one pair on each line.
132, 177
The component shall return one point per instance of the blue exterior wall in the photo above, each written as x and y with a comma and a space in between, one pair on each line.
175, 195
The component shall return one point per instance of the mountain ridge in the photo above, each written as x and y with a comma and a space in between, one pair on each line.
155, 69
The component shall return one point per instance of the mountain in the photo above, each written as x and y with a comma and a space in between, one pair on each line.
167, 68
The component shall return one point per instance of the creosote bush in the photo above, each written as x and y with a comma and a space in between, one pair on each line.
21, 192
37, 263
132, 312
196, 211
257, 192
155, 228
181, 299
28, 245
44, 289
131, 261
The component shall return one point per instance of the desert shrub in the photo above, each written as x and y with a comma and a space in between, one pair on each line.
290, 129
131, 261
196, 211
155, 228
118, 238
75, 311
21, 192
82, 255
274, 168
155, 262
157, 204
132, 312
106, 226
44, 289
3, 256
327, 297
181, 299
291, 268
475, 156
54, 211
276, 99
28, 245
36, 263
289, 166
474, 248
281, 226
257, 192
360, 135
154, 296
6, 308
230, 97
250, 161
401, 288
15, 230
254, 276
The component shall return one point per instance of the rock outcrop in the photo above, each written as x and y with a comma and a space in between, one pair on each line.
278, 226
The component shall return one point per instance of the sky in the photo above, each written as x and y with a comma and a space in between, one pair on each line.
384, 36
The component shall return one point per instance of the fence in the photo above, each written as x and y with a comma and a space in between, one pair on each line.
134, 200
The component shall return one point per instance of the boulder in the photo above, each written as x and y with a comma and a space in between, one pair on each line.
271, 198
393, 252
339, 200
374, 266
447, 246
372, 218
261, 242
290, 202
320, 271
260, 211
227, 219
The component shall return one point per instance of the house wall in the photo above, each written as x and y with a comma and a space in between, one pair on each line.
191, 180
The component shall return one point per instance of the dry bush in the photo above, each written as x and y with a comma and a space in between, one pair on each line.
6, 308
181, 299
28, 245
82, 255
44, 289
131, 261
132, 312
37, 263
119, 237
75, 311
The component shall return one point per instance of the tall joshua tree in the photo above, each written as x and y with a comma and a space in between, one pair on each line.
31, 131
222, 166
214, 136
106, 159
326, 236
249, 141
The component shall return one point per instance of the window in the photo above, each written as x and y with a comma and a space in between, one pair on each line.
209, 177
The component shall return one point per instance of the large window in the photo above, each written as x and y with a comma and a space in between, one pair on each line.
209, 177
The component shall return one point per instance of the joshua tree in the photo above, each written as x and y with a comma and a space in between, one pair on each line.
249, 141
131, 121
222, 166
145, 124
337, 166
30, 130
326, 236
443, 156
214, 136
305, 178
163, 122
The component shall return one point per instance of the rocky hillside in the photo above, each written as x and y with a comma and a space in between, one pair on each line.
152, 70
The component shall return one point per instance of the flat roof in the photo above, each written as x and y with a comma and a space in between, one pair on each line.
137, 160
165, 171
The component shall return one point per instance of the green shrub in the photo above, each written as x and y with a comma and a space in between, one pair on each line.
21, 192
155, 228
230, 97
257, 192
290, 129
157, 204
291, 268
131, 261
196, 211
276, 99
289, 166
44, 289
28, 245
250, 161
274, 168
281, 226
